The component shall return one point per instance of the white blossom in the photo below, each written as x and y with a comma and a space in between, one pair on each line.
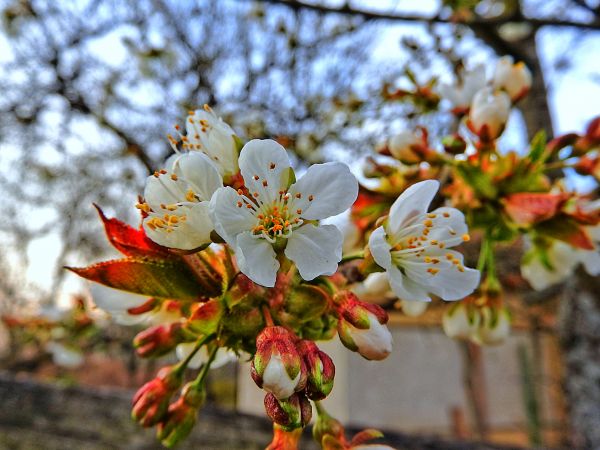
544, 268
461, 93
276, 380
222, 357
277, 213
513, 78
177, 201
208, 133
413, 247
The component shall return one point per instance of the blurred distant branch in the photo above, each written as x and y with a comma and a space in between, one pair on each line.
405, 17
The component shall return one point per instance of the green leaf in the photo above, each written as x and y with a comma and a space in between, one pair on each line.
479, 181
162, 279
537, 147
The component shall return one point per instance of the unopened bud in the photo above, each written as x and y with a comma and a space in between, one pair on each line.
362, 328
409, 147
454, 144
461, 321
495, 326
181, 416
151, 401
488, 114
514, 79
320, 370
277, 366
158, 340
205, 317
294, 412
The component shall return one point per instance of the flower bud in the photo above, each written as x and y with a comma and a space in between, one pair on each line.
151, 401
461, 321
408, 147
454, 144
587, 165
205, 317
277, 366
362, 329
413, 308
515, 79
320, 370
495, 326
488, 114
181, 416
158, 340
295, 412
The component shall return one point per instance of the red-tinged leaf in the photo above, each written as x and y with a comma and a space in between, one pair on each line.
365, 436
566, 230
131, 241
162, 279
528, 208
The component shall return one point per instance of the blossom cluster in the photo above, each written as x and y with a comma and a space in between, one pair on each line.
516, 198
233, 259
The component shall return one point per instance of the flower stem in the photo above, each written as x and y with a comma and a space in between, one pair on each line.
352, 257
199, 343
267, 316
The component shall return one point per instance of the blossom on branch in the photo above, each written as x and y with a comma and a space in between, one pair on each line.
413, 247
277, 215
177, 200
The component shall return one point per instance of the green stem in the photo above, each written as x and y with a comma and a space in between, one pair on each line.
352, 257
205, 368
183, 364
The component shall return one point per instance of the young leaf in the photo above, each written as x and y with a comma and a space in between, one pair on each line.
131, 241
163, 279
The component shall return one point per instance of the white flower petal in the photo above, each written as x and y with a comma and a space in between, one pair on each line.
202, 176
315, 250
256, 259
374, 343
229, 219
449, 226
413, 309
222, 357
591, 261
380, 248
114, 300
413, 201
163, 189
405, 288
188, 234
215, 139
265, 161
325, 190
276, 379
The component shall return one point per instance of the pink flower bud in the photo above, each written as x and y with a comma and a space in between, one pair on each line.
205, 317
320, 370
488, 114
514, 79
362, 328
277, 366
181, 416
151, 401
158, 340
295, 412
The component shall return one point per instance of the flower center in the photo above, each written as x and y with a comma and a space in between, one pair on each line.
414, 244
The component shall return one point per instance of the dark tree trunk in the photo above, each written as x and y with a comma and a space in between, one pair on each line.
580, 339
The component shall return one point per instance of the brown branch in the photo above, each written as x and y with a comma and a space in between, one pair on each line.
373, 15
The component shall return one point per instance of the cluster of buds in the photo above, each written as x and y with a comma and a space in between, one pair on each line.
362, 327
292, 371
480, 320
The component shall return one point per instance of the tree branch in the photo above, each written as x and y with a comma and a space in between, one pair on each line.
374, 15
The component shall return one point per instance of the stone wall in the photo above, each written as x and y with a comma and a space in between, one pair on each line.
36, 416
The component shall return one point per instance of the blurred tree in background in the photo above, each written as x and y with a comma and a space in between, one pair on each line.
88, 86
